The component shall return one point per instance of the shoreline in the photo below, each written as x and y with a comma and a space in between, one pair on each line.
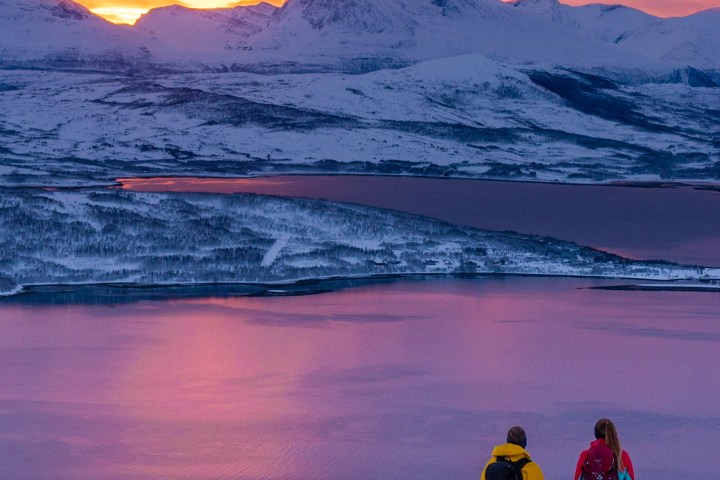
300, 286
121, 182
128, 292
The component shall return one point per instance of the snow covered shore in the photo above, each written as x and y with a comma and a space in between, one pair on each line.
71, 237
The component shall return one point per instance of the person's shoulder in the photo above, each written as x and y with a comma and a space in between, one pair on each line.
533, 471
626, 457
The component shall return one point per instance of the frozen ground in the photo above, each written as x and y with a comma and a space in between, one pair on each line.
65, 237
463, 116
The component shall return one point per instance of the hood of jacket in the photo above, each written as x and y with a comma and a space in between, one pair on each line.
599, 441
510, 450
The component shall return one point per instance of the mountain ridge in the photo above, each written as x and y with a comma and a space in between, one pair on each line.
357, 36
685, 41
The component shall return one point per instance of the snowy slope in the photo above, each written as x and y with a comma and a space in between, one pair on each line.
64, 33
306, 35
105, 236
691, 40
361, 35
609, 23
401, 32
464, 116
212, 32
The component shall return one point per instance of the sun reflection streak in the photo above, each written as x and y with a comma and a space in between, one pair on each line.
199, 184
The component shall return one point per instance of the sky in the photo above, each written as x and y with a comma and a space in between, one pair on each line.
659, 8
127, 11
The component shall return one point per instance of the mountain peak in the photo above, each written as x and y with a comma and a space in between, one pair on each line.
541, 5
551, 9
69, 10
362, 16
525, 3
372, 16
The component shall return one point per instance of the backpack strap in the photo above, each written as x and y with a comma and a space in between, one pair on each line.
520, 464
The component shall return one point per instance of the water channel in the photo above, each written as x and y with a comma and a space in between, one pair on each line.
671, 222
414, 379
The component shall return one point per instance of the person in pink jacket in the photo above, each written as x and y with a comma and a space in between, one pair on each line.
606, 434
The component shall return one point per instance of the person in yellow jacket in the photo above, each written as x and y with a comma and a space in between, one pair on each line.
514, 451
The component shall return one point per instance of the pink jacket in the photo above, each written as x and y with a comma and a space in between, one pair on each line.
583, 456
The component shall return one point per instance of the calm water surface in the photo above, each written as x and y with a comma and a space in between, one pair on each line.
678, 223
409, 380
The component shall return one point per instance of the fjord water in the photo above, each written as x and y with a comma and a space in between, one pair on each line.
406, 380
677, 223
400, 380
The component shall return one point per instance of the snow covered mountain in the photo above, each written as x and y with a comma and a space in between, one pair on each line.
319, 35
211, 32
362, 35
464, 116
63, 33
468, 88
691, 40
568, 107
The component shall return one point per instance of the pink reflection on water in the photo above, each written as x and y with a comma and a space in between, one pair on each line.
407, 380
200, 184
677, 224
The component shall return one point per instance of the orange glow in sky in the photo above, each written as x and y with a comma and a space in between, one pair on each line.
128, 11
659, 8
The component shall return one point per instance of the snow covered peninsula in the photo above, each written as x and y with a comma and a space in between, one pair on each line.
86, 237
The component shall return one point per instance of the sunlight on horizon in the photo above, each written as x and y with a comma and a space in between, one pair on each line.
129, 14
120, 15
658, 8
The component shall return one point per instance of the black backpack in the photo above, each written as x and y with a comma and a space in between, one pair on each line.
505, 469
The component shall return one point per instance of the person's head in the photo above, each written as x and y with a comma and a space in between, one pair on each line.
516, 436
605, 430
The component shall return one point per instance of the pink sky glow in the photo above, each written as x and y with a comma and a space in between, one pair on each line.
660, 8
127, 11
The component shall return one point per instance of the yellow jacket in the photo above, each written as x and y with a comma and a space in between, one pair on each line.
530, 471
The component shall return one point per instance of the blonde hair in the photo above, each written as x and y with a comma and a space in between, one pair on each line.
605, 429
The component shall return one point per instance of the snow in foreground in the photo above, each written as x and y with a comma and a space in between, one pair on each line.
59, 237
